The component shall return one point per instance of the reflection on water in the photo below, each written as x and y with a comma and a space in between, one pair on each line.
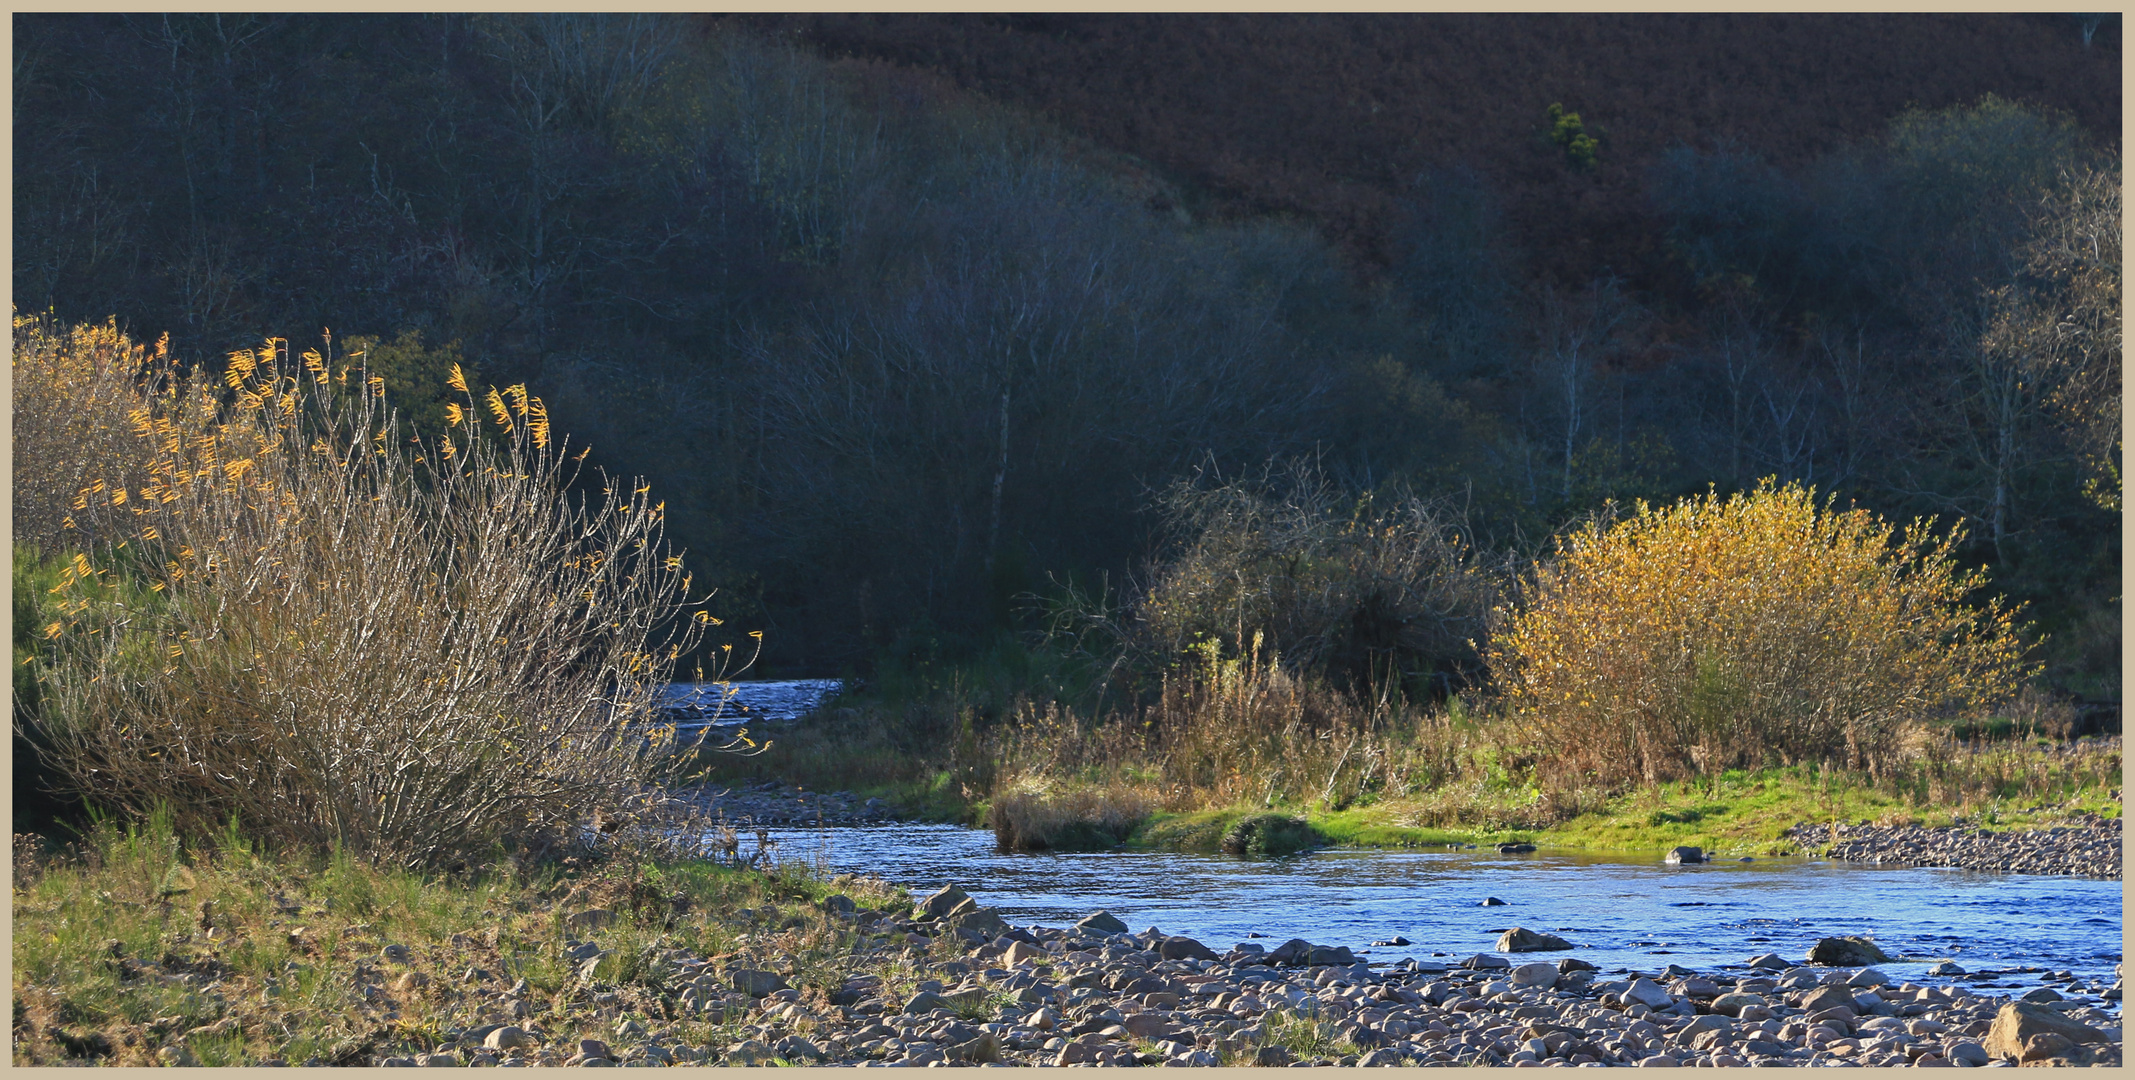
1640, 916
753, 702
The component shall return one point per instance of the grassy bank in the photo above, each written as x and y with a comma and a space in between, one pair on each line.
1740, 813
131, 942
1184, 773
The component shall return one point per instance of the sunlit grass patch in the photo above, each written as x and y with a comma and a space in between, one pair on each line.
246, 954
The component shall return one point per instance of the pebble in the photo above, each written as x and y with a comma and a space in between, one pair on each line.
1082, 996
2090, 847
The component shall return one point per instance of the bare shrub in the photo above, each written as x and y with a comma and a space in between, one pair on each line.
1363, 588
419, 652
1718, 633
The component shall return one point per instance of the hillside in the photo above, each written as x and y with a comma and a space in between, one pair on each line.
1332, 117
907, 317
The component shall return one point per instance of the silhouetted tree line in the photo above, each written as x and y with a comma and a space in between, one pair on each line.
896, 354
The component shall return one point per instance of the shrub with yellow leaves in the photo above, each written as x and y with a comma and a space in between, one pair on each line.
73, 387
419, 649
1760, 627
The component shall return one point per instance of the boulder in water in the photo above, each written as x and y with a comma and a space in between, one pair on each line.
1847, 952
1520, 939
1681, 856
1330, 955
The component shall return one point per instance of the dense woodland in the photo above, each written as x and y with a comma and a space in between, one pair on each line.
911, 319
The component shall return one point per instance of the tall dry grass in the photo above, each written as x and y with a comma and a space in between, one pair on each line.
1037, 811
1223, 732
417, 651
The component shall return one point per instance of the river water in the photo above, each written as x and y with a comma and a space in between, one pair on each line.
1625, 914
753, 702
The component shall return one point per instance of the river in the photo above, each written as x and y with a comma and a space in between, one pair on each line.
2009, 931
1625, 914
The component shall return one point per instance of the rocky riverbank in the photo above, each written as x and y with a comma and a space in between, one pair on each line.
952, 984
2088, 847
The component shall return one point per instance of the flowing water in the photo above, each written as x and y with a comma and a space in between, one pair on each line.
1639, 916
1624, 913
752, 702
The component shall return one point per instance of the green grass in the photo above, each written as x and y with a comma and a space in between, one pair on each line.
1738, 812
1749, 812
1305, 1036
117, 953
1374, 826
1201, 831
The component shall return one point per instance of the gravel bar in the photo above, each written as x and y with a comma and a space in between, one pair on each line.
1093, 995
2089, 848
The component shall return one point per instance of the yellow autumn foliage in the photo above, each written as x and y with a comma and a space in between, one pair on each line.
1759, 627
356, 638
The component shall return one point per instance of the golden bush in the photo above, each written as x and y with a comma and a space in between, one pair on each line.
416, 650
73, 387
1726, 632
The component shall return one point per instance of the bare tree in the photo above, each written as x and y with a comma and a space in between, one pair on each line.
1575, 335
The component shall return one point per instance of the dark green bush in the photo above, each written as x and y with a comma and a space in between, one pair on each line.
1270, 834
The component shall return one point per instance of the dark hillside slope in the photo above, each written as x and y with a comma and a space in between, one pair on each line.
1331, 116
